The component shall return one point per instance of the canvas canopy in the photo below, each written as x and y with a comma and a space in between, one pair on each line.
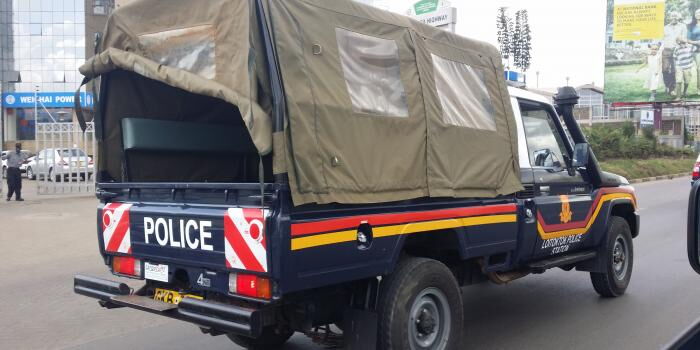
379, 107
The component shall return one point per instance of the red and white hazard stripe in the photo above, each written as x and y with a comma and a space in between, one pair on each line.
245, 245
115, 228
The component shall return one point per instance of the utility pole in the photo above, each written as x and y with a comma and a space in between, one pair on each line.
567, 81
538, 78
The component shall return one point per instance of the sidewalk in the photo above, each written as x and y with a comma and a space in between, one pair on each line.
30, 195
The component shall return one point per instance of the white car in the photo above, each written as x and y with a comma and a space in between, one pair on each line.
58, 164
26, 167
27, 154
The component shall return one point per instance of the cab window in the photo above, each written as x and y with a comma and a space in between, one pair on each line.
544, 143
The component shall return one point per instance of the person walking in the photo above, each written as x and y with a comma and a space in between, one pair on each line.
14, 176
673, 32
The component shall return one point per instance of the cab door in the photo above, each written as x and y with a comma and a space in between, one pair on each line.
562, 197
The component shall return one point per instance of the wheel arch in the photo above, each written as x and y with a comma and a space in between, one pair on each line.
626, 210
446, 245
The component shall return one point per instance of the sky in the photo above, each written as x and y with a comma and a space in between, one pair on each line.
568, 36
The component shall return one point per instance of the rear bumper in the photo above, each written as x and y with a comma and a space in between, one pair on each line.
216, 316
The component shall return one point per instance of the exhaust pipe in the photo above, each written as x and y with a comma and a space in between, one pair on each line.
506, 277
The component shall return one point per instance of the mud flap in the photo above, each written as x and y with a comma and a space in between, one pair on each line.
360, 329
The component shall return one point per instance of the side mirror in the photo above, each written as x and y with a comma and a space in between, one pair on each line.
581, 155
541, 156
694, 227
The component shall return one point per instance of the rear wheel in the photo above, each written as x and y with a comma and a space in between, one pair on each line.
270, 339
30, 173
617, 256
420, 307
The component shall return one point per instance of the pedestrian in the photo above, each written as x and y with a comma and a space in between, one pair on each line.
684, 56
14, 176
673, 31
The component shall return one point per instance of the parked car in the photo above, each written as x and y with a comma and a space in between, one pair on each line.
22, 168
61, 164
27, 167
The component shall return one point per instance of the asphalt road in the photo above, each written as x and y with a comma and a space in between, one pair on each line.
44, 241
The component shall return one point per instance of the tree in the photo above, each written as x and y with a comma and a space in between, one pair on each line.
525, 42
503, 25
514, 39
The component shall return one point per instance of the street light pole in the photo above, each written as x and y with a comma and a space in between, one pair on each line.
36, 119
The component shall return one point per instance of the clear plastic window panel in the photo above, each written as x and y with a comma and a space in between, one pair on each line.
191, 49
463, 95
371, 70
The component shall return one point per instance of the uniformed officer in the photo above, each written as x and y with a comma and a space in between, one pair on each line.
14, 176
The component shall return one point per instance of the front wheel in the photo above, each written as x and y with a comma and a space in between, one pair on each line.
420, 307
270, 339
617, 255
30, 173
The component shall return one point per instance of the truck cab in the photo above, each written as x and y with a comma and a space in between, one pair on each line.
362, 190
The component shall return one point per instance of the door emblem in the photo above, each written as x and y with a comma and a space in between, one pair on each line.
565, 215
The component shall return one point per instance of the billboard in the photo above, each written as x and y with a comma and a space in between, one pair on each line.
652, 51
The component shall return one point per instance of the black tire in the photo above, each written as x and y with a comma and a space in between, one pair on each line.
617, 256
30, 173
270, 339
403, 297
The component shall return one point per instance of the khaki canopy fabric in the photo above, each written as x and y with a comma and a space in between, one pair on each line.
380, 107
206, 48
457, 138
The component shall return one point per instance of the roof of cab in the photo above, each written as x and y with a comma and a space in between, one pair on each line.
528, 95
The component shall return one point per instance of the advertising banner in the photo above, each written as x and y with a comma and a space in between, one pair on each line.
652, 51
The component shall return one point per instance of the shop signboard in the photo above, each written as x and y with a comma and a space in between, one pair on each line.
425, 6
47, 99
646, 118
435, 13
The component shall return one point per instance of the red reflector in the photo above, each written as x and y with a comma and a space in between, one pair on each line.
253, 286
126, 265
696, 171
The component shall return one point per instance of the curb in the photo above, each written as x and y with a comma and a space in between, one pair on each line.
662, 177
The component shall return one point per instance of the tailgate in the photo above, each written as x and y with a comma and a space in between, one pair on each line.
192, 236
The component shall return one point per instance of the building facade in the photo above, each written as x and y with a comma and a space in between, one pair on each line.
42, 45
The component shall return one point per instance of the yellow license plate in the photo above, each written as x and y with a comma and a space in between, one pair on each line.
171, 296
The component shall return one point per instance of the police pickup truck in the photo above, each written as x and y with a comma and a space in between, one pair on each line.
354, 168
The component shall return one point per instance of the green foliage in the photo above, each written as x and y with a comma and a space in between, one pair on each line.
620, 142
628, 130
641, 168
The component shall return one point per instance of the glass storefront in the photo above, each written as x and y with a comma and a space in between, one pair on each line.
43, 41
26, 120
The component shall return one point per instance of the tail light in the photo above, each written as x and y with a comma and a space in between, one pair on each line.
696, 171
90, 161
126, 265
249, 285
